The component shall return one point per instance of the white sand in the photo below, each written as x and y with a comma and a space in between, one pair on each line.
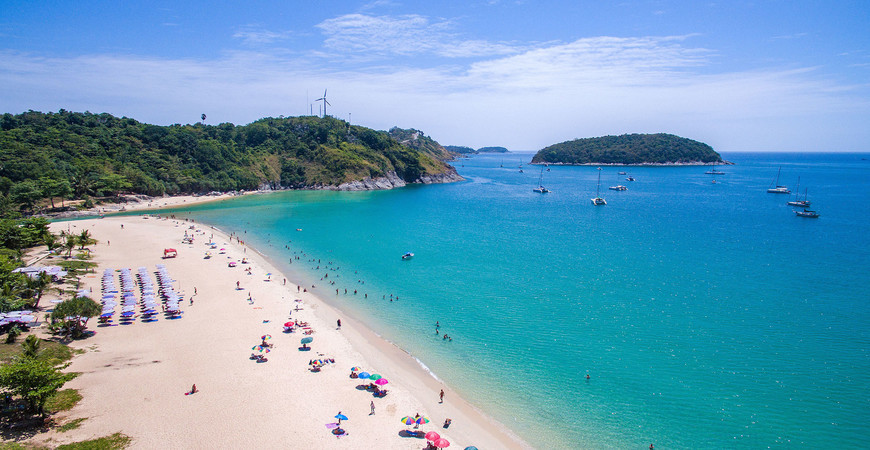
134, 376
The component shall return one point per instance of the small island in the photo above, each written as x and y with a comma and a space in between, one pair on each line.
630, 149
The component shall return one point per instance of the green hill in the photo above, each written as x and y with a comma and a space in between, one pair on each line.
418, 141
492, 150
629, 149
459, 149
48, 156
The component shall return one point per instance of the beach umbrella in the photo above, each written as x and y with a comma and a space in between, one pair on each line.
364, 375
381, 381
341, 417
441, 443
471, 447
422, 420
354, 369
375, 377
266, 337
408, 420
306, 340
432, 436
289, 324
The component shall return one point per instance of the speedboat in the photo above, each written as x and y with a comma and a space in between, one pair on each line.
618, 187
622, 173
629, 179
408, 255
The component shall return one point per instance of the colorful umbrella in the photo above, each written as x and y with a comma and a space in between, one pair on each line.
354, 369
408, 420
422, 420
441, 443
375, 377
364, 375
266, 337
381, 381
306, 340
432, 436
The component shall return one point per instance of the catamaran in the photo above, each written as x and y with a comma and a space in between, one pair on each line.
541, 189
598, 201
777, 188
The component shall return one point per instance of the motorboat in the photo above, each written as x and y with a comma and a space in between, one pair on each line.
408, 255
807, 213
618, 187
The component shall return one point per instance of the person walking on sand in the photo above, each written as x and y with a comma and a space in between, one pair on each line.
373, 408
338, 322
441, 396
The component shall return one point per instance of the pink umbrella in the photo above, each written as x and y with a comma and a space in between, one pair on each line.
432, 436
441, 443
381, 381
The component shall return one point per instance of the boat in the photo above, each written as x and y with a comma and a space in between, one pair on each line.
408, 255
618, 187
598, 201
777, 188
623, 173
713, 170
629, 179
797, 201
541, 189
807, 213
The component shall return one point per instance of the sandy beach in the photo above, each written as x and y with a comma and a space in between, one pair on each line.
134, 377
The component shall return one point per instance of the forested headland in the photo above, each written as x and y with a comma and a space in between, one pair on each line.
46, 158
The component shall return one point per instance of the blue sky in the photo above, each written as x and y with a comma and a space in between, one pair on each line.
738, 75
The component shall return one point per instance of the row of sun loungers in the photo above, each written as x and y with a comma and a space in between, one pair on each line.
149, 298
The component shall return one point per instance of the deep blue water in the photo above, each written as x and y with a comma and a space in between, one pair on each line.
707, 315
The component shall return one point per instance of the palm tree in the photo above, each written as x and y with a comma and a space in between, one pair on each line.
69, 244
84, 239
30, 346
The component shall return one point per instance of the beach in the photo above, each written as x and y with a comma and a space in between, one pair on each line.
134, 377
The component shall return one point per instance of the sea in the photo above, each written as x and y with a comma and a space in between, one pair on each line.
684, 313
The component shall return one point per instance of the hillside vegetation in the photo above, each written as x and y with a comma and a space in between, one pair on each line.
64, 155
629, 149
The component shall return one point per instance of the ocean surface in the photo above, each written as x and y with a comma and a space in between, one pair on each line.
706, 315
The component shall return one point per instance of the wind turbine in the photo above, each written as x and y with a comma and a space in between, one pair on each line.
325, 102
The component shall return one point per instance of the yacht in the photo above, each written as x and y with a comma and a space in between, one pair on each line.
598, 201
807, 213
777, 188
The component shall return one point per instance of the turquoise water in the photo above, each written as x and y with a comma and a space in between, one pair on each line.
707, 315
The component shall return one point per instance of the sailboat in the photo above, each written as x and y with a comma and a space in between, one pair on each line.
713, 170
797, 200
807, 213
598, 201
777, 188
541, 189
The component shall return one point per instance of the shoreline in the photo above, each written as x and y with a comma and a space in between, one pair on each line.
411, 386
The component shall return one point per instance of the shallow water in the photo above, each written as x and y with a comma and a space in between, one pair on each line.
705, 314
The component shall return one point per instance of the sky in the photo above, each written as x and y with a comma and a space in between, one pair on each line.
762, 75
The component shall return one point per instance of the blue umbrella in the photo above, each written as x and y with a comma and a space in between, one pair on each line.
341, 417
306, 340
364, 375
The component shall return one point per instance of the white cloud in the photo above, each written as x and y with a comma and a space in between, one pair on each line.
403, 35
254, 36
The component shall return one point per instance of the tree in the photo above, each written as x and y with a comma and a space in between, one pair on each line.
84, 239
30, 346
69, 244
34, 380
26, 193
75, 313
